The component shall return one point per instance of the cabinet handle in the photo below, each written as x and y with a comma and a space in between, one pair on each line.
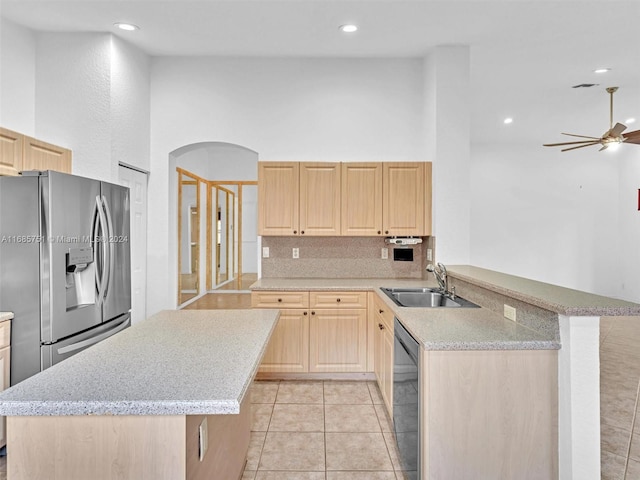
279, 300
379, 232
381, 326
302, 232
295, 231
313, 313
386, 231
338, 300
381, 311
304, 313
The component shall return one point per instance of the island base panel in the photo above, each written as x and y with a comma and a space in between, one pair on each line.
126, 447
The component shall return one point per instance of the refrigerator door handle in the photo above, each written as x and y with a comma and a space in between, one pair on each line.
111, 247
102, 228
93, 340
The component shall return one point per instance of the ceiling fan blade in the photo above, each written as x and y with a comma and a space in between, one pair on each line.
595, 140
580, 136
579, 146
632, 137
616, 130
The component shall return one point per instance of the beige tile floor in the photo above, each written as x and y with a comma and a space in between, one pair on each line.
619, 384
320, 430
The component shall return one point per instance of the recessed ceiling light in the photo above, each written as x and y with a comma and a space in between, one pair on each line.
129, 27
348, 28
630, 120
602, 70
508, 120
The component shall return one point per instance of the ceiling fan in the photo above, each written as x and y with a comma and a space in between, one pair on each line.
613, 136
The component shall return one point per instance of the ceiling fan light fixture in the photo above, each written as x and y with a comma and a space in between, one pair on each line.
129, 27
602, 70
630, 120
508, 121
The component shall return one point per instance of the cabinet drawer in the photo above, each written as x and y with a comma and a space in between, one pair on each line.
338, 299
280, 299
383, 313
5, 333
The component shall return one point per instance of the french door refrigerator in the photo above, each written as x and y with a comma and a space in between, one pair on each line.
64, 266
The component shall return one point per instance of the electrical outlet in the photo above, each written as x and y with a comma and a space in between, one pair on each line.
296, 253
203, 434
509, 312
265, 252
429, 254
384, 253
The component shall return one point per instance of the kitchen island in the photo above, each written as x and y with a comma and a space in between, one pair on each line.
548, 359
144, 404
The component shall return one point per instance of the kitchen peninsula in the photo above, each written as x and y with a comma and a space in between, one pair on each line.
554, 342
139, 404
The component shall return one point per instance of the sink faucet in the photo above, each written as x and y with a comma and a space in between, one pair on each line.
440, 272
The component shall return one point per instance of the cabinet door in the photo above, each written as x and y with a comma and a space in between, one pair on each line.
288, 349
5, 357
361, 199
11, 145
387, 368
278, 192
403, 209
320, 199
40, 155
428, 182
338, 340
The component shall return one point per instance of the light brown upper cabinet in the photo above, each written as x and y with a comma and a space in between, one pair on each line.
349, 199
11, 145
278, 198
362, 199
39, 155
403, 199
298, 198
320, 199
19, 153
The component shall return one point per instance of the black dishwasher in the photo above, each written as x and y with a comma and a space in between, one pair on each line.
406, 400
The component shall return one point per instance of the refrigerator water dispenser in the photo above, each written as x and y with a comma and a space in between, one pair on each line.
81, 278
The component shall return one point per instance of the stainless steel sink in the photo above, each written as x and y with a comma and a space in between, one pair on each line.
425, 298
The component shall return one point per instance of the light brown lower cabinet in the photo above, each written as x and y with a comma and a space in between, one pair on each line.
383, 354
288, 348
318, 332
489, 414
5, 369
104, 447
338, 340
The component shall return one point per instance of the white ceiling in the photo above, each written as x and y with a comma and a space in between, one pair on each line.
525, 54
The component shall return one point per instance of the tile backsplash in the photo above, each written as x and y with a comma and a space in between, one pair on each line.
340, 257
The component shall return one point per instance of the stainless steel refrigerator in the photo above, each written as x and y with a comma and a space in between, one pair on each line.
64, 266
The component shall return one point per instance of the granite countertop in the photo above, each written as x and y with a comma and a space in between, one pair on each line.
433, 328
565, 301
177, 362
5, 316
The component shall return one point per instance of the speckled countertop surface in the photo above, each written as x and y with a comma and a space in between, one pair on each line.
433, 328
177, 362
5, 316
544, 295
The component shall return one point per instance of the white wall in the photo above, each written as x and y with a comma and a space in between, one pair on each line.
547, 215
17, 77
85, 91
447, 136
73, 98
627, 272
284, 109
130, 98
